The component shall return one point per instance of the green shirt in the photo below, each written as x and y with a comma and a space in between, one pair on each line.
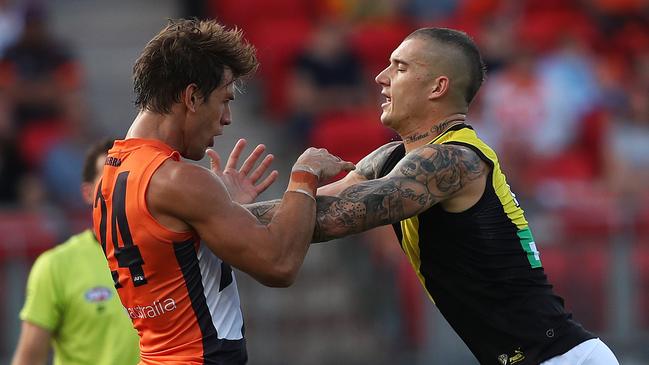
70, 293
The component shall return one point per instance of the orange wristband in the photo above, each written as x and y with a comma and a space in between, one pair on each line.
303, 181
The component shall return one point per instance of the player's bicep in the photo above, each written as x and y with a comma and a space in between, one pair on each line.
367, 168
443, 170
200, 200
420, 180
230, 231
370, 166
369, 204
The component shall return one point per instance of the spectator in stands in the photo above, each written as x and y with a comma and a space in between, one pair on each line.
497, 39
40, 84
629, 139
10, 24
41, 80
511, 126
549, 95
424, 11
61, 166
571, 91
362, 10
11, 166
327, 78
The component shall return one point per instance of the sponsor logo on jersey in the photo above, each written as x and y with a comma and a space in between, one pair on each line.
517, 357
155, 309
98, 294
503, 359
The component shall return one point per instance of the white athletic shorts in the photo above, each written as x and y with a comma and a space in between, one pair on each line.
591, 352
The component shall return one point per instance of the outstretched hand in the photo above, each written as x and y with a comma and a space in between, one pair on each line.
241, 184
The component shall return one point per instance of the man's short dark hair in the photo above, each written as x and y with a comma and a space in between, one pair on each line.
467, 48
186, 52
90, 172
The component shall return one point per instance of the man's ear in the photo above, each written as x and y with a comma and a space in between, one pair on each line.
190, 97
439, 87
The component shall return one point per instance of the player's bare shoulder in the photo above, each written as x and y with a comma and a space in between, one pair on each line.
181, 190
445, 168
370, 166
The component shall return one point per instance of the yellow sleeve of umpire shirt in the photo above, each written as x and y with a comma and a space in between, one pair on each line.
42, 296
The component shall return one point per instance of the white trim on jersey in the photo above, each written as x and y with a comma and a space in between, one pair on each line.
224, 306
591, 352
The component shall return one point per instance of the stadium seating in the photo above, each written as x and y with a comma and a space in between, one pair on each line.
374, 42
350, 135
277, 56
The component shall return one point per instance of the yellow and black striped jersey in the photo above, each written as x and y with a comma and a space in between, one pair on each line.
483, 271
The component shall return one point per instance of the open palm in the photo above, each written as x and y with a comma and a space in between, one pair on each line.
242, 184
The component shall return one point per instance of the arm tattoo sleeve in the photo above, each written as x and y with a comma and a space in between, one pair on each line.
264, 211
424, 177
369, 167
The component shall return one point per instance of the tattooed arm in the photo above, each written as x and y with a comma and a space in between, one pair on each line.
423, 178
264, 211
366, 169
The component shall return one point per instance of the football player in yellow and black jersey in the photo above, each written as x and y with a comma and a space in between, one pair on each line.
456, 218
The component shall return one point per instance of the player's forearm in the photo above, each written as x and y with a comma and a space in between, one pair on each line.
264, 211
337, 217
291, 228
367, 205
332, 223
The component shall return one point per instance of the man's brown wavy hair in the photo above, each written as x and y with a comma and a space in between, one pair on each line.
189, 51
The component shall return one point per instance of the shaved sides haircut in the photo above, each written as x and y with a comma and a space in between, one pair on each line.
466, 48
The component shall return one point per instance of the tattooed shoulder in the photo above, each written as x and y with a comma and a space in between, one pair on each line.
445, 169
424, 177
370, 166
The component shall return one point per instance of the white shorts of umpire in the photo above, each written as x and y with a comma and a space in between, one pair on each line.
591, 352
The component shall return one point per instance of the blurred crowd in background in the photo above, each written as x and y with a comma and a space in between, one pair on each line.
565, 105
